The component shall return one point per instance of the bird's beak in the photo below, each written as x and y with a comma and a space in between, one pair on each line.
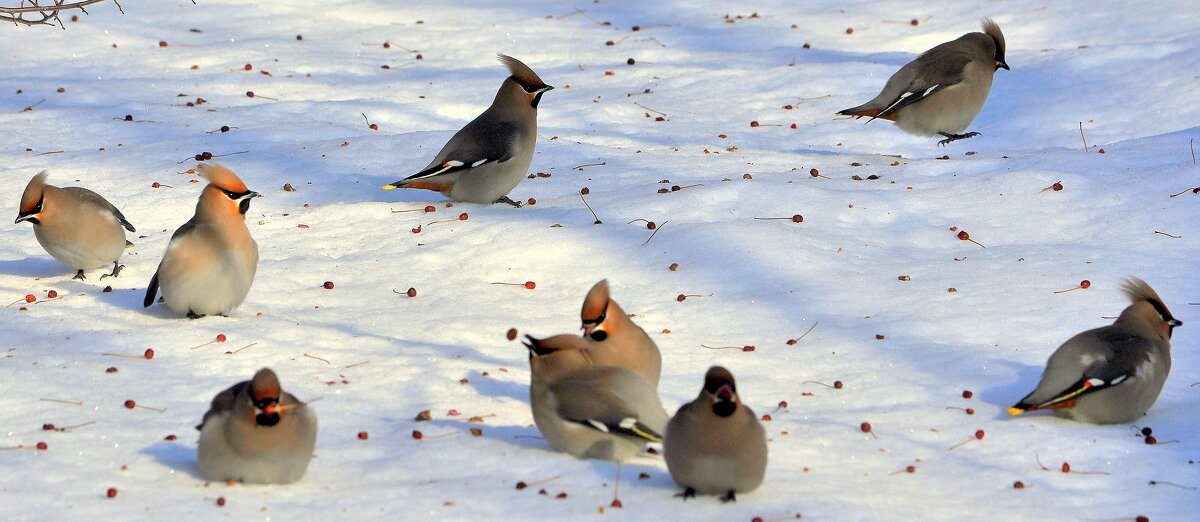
1002, 65
1175, 322
23, 217
546, 88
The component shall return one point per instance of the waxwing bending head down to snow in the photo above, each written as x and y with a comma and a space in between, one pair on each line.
1112, 374
588, 410
76, 226
211, 260
256, 433
714, 444
941, 92
618, 341
488, 157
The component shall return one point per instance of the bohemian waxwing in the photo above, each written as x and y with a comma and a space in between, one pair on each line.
1111, 374
485, 160
210, 261
588, 410
256, 433
715, 444
618, 341
75, 225
942, 91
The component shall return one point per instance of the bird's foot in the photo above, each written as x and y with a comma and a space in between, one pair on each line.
117, 268
506, 199
79, 275
686, 494
194, 315
955, 137
728, 497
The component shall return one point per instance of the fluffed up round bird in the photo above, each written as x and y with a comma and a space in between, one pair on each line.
715, 445
210, 261
256, 433
1111, 374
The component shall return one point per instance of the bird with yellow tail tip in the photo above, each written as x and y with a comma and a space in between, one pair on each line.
488, 157
1111, 374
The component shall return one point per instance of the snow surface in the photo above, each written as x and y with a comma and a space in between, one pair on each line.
1127, 71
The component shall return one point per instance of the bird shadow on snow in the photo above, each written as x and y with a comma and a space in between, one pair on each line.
520, 436
34, 267
497, 388
175, 456
1004, 395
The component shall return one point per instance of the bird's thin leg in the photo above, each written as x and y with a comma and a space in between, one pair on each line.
686, 493
79, 275
506, 199
117, 268
194, 315
955, 137
729, 497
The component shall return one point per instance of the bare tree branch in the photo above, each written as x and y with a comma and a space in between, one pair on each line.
45, 14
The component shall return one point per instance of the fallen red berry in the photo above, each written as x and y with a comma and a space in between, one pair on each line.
865, 427
248, 67
362, 435
530, 285
1149, 440
328, 285
754, 124
1018, 485
979, 434
220, 338
837, 384
130, 404
1085, 283
42, 445
963, 235
149, 353
162, 43
430, 208
462, 217
616, 503
221, 501
412, 292
51, 294
967, 394
29, 298
1066, 468
417, 435
1057, 186
112, 492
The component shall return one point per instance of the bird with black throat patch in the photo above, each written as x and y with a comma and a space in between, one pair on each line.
256, 433
941, 92
210, 261
1111, 374
618, 340
715, 445
486, 159
74, 225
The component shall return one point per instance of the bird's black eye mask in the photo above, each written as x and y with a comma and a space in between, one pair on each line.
244, 197
1171, 321
37, 209
536, 90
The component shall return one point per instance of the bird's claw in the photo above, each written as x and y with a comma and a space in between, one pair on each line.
506, 199
686, 494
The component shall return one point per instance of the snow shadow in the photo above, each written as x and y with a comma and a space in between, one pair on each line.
43, 267
175, 456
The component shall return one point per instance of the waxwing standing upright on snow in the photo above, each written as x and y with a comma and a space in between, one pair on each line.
589, 410
715, 445
256, 433
76, 226
618, 341
1111, 374
942, 91
210, 261
488, 157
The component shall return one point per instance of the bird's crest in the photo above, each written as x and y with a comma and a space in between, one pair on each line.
222, 177
33, 191
521, 73
991, 29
